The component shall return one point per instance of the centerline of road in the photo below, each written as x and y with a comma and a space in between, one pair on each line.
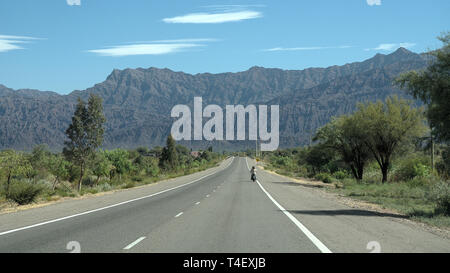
179, 214
128, 247
134, 243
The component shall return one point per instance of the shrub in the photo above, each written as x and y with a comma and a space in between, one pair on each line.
137, 178
154, 171
324, 177
129, 185
302, 171
412, 167
340, 175
23, 192
103, 187
349, 182
421, 170
420, 181
89, 181
89, 190
282, 161
440, 194
63, 192
443, 165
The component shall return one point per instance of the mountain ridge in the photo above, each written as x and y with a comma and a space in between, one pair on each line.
137, 102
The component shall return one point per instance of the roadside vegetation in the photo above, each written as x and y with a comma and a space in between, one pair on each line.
388, 153
83, 168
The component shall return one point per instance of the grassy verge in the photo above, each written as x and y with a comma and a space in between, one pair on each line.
408, 198
419, 199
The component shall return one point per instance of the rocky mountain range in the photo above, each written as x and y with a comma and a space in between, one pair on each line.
137, 102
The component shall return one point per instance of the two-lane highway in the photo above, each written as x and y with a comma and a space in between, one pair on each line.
220, 210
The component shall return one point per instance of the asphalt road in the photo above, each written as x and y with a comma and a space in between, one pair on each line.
218, 210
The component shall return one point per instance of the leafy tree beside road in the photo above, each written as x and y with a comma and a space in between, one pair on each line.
387, 126
346, 136
432, 86
85, 133
13, 164
169, 156
376, 130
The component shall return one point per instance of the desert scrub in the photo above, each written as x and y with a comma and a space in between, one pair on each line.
103, 187
137, 179
23, 192
87, 190
129, 185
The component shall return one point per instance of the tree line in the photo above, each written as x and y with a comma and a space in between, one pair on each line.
24, 176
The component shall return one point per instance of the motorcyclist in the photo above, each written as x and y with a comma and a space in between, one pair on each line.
253, 173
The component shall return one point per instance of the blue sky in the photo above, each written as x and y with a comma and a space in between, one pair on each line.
66, 45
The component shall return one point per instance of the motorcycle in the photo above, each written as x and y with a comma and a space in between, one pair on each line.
253, 177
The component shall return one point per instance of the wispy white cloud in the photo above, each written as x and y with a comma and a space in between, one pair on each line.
374, 2
152, 48
232, 7
200, 40
228, 15
391, 46
216, 14
73, 2
305, 48
8, 42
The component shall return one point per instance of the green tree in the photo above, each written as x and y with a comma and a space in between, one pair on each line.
39, 157
346, 136
156, 151
388, 126
206, 155
318, 156
102, 166
85, 133
147, 164
59, 168
119, 160
13, 164
432, 86
169, 156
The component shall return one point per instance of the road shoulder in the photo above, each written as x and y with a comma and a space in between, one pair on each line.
364, 222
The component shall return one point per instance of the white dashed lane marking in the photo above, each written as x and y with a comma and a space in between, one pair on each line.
134, 243
178, 215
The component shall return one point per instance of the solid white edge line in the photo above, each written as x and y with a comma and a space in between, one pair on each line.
179, 214
308, 233
134, 243
107, 207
